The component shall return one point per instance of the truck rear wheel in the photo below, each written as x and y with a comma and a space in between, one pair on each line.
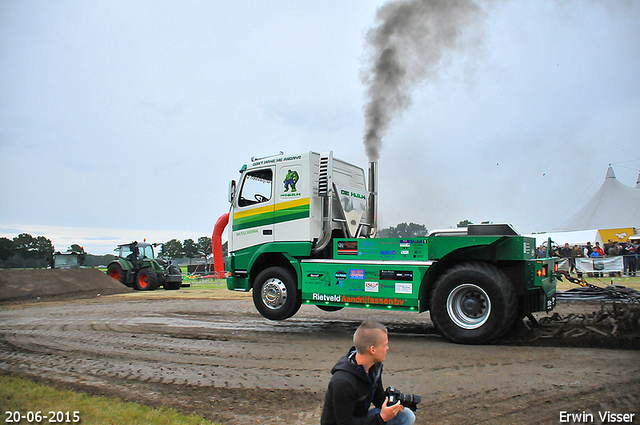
146, 280
275, 294
473, 303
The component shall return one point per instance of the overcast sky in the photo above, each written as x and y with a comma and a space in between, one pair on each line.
124, 120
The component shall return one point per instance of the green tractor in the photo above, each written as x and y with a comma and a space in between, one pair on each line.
137, 267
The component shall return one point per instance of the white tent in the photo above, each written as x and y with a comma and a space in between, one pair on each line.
577, 237
614, 206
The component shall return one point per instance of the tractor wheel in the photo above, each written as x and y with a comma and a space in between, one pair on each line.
115, 271
275, 294
473, 303
146, 280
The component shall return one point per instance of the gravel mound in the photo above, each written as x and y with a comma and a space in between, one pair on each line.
19, 285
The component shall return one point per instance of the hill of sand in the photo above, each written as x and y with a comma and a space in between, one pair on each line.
18, 285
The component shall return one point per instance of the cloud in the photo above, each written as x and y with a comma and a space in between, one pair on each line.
130, 116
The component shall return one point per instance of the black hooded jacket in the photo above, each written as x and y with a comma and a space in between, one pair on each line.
351, 392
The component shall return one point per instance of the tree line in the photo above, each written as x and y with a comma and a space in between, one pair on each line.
174, 249
414, 230
25, 250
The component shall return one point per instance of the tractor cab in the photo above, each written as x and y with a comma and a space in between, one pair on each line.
135, 251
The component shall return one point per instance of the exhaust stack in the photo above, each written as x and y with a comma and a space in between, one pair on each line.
325, 191
372, 208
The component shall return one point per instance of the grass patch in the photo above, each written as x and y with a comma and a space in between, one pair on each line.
215, 289
23, 396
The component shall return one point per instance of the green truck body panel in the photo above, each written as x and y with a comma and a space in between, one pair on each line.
394, 273
272, 217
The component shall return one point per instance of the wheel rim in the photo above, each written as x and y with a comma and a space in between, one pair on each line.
115, 274
142, 280
274, 293
468, 306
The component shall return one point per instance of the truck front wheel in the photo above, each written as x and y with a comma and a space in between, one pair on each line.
473, 303
275, 294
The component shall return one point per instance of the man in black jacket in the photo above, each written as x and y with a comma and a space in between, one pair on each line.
357, 382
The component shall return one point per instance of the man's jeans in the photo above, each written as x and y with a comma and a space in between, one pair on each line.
406, 417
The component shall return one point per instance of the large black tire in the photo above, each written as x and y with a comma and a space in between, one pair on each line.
275, 294
473, 303
146, 280
115, 271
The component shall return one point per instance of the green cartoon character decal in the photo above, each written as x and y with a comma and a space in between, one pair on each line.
290, 181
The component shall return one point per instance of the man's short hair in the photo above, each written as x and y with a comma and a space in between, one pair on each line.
366, 336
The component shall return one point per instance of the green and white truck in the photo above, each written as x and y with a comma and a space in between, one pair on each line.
302, 230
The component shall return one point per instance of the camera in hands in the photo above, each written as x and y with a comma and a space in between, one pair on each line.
407, 400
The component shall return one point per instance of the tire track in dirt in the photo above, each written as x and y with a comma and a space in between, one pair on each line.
225, 362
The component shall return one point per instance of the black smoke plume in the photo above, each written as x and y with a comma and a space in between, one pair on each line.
407, 46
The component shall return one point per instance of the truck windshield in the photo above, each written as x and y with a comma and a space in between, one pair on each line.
256, 187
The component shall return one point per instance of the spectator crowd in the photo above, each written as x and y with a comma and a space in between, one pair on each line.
628, 250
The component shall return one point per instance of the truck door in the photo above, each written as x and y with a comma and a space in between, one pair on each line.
253, 214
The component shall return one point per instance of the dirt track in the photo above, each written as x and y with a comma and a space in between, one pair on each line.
222, 360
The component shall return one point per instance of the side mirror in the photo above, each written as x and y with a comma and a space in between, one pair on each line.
232, 191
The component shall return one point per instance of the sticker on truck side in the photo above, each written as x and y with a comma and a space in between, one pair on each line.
360, 299
275, 160
347, 247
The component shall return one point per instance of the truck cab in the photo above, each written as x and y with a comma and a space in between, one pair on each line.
284, 206
302, 230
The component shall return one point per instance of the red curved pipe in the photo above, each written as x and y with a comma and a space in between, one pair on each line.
216, 241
